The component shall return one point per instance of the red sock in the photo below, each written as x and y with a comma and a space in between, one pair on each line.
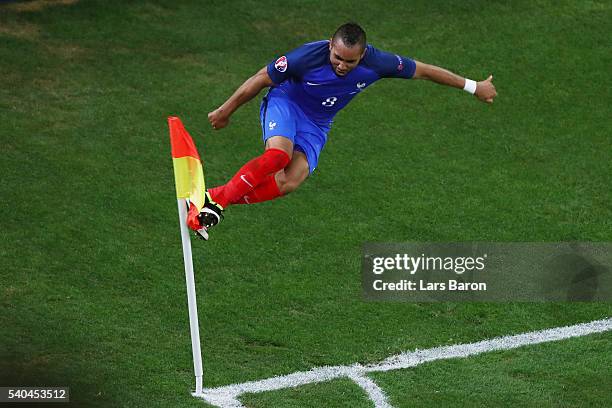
216, 193
267, 190
250, 176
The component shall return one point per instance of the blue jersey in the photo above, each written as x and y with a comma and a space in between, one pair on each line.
307, 77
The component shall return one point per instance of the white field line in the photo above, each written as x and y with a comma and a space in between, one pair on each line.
227, 396
376, 394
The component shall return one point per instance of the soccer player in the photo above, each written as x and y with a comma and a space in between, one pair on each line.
307, 88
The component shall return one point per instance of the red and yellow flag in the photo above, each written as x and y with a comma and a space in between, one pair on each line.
188, 172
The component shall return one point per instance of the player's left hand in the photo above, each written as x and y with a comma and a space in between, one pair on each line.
485, 90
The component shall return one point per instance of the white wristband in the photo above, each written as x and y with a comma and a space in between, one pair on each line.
470, 86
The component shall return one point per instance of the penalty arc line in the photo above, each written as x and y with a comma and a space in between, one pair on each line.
227, 396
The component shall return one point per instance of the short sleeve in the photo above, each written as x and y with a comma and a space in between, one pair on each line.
294, 63
285, 66
389, 65
278, 70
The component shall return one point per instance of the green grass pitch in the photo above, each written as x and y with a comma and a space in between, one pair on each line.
92, 291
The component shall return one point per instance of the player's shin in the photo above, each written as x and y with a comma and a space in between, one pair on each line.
267, 190
251, 175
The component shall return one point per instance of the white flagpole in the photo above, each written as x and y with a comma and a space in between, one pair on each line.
191, 296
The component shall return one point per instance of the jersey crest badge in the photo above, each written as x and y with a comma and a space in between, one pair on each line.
281, 64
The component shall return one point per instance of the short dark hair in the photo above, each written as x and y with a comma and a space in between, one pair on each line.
351, 34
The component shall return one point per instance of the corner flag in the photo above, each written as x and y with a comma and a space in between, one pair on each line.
188, 172
190, 190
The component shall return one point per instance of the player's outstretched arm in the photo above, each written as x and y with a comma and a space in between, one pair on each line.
219, 118
485, 90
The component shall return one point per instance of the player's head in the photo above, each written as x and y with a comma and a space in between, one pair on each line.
347, 47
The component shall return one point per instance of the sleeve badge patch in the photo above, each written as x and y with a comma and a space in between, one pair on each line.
400, 65
281, 64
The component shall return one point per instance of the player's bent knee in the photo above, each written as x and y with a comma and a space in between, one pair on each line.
289, 179
290, 187
286, 184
